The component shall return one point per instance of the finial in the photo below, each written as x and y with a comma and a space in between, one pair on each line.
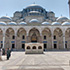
34, 3
61, 15
6, 14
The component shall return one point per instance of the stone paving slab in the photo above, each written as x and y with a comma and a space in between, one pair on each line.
46, 61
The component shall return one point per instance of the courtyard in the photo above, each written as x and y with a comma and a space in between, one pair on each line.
50, 60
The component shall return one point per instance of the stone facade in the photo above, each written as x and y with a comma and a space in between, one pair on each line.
35, 25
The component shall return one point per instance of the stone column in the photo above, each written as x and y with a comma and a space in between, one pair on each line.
3, 39
41, 38
64, 40
15, 39
52, 39
27, 37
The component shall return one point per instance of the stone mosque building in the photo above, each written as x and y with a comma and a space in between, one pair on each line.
35, 30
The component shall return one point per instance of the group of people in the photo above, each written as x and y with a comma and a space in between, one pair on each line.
6, 52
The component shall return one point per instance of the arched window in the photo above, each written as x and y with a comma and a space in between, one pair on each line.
13, 37
34, 47
40, 47
23, 37
44, 37
28, 47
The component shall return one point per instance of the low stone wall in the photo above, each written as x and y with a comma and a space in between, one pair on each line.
34, 48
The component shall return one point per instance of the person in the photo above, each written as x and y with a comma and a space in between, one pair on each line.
0, 54
3, 51
8, 54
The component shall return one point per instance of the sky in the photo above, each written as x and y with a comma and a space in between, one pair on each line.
59, 7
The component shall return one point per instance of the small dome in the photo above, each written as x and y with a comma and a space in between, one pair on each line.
51, 12
3, 23
5, 17
46, 23
12, 23
56, 23
66, 23
62, 18
34, 21
22, 23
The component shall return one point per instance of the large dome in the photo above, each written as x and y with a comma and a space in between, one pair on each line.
34, 6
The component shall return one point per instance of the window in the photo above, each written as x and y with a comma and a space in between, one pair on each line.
45, 46
23, 37
66, 46
55, 46
23, 46
13, 37
44, 37
34, 47
40, 47
54, 37
28, 47
13, 46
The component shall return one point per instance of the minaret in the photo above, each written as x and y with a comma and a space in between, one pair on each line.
69, 7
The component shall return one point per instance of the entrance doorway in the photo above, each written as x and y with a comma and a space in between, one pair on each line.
23, 46
45, 47
66, 46
13, 46
55, 46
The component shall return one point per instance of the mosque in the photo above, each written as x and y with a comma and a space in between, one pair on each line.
35, 30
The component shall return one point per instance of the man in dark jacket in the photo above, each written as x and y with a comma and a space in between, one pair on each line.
8, 54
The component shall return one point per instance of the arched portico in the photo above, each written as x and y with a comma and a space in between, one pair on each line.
21, 38
10, 38
47, 40
58, 39
1, 38
34, 35
67, 38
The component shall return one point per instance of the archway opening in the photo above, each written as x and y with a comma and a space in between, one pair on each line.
10, 38
34, 35
58, 38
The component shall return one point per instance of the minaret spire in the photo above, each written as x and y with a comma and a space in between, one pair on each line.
69, 7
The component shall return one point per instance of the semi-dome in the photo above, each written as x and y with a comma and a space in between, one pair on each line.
46, 23
56, 23
22, 23
62, 18
34, 6
3, 23
51, 12
6, 17
12, 23
66, 23
34, 21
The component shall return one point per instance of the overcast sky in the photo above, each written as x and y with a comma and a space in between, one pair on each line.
59, 7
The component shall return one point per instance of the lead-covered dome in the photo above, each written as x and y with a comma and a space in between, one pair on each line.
34, 6
6, 17
34, 21
66, 23
62, 19
22, 23
46, 23
12, 23
3, 23
56, 23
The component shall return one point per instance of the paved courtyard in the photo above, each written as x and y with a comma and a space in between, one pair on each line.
47, 61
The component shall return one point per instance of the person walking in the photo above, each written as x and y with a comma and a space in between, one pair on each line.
8, 54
